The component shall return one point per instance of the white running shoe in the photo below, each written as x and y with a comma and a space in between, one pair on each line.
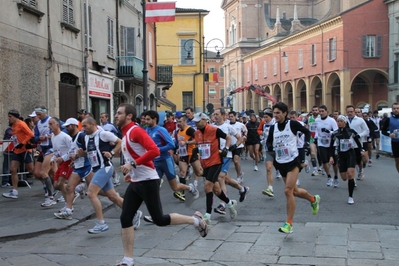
136, 219
307, 167
117, 179
298, 183
351, 201
11, 195
61, 199
329, 182
278, 175
240, 178
48, 202
255, 168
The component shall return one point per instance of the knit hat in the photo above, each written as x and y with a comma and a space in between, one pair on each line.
343, 118
14, 113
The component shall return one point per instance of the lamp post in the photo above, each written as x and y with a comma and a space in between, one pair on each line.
214, 43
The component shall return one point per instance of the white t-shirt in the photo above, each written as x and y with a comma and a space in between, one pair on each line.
359, 125
324, 138
241, 129
62, 144
229, 130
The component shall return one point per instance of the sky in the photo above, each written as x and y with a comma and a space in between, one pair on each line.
213, 22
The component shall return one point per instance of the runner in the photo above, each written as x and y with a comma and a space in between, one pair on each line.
242, 130
253, 140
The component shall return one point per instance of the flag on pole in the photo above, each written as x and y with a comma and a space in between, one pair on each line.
211, 77
160, 11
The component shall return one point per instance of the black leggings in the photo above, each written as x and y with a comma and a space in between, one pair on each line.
136, 193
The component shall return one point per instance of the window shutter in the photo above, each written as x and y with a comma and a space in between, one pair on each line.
88, 32
395, 71
329, 55
300, 59
379, 46
70, 13
65, 11
286, 64
311, 55
364, 45
314, 54
334, 48
275, 66
123, 40
130, 41
264, 69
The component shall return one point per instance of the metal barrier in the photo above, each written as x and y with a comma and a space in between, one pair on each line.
6, 162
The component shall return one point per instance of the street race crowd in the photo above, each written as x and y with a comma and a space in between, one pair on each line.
74, 158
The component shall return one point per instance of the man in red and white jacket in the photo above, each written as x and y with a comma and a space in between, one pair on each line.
139, 150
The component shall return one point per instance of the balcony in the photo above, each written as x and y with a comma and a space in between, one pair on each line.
165, 74
129, 67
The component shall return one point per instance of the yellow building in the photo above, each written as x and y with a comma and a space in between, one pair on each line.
177, 42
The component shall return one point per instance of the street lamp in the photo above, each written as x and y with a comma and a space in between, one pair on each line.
216, 44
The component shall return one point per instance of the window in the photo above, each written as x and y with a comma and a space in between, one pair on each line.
110, 24
88, 30
264, 69
150, 47
285, 64
256, 71
395, 71
187, 46
275, 66
67, 12
187, 98
248, 74
313, 55
212, 69
221, 72
31, 3
300, 59
233, 34
128, 41
212, 90
371, 46
332, 49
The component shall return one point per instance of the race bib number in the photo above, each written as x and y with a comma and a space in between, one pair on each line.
204, 151
183, 150
313, 127
345, 145
15, 140
92, 155
282, 152
325, 140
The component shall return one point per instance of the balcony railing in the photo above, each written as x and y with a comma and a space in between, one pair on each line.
129, 66
165, 74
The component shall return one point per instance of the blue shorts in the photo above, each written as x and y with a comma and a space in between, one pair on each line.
83, 172
225, 165
166, 167
102, 178
25, 157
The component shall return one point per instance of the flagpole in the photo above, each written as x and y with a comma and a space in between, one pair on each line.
145, 69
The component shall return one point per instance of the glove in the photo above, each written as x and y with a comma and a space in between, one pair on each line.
223, 153
233, 147
325, 130
28, 146
19, 146
33, 140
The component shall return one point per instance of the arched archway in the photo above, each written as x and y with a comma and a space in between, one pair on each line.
68, 96
138, 102
277, 93
301, 87
249, 100
317, 87
290, 96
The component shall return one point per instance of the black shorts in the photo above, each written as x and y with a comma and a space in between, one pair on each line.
252, 142
237, 152
366, 146
284, 168
376, 135
358, 155
189, 158
24, 157
212, 173
346, 160
395, 149
324, 154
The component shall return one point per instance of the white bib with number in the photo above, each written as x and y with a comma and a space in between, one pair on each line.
345, 145
92, 155
204, 151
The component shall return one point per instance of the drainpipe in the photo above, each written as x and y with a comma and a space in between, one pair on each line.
86, 70
50, 56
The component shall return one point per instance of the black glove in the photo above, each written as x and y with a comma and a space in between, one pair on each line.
233, 147
19, 146
28, 146
33, 140
224, 152
306, 147
325, 130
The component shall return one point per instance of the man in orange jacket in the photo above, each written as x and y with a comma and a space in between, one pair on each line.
21, 136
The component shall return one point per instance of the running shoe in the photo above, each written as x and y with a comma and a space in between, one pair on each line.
63, 215
117, 179
286, 228
232, 209
268, 192
63, 209
321, 171
98, 228
243, 195
45, 191
315, 204
315, 172
136, 219
194, 191
148, 219
298, 183
360, 176
255, 168
220, 209
81, 189
203, 226
329, 182
179, 195
55, 193
6, 185
48, 202
355, 182
336, 182
207, 218
61, 199
161, 182
11, 195
370, 163
351, 201
124, 262
240, 178
278, 175
307, 167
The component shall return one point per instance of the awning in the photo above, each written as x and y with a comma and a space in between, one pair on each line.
168, 103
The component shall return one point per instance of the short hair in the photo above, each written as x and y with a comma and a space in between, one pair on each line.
129, 109
90, 120
105, 114
315, 106
281, 106
57, 120
350, 106
232, 113
152, 114
323, 107
293, 112
183, 117
375, 112
89, 114
189, 108
395, 104
336, 111
221, 110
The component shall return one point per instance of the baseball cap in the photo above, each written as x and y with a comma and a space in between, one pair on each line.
82, 111
199, 116
33, 114
70, 121
245, 116
178, 114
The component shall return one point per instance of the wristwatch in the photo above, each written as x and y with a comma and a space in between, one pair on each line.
133, 163
112, 153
